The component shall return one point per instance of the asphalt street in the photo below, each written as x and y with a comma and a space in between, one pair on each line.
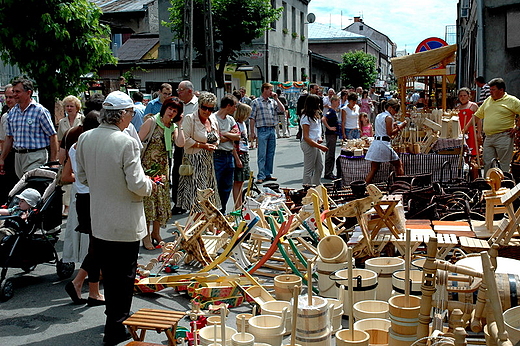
41, 313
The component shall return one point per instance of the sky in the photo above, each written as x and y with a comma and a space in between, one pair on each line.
405, 22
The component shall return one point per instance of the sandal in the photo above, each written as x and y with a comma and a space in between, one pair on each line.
147, 243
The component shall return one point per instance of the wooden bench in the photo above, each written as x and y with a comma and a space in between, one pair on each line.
153, 319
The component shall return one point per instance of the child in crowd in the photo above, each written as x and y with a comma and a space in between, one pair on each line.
330, 121
26, 200
311, 141
241, 154
365, 125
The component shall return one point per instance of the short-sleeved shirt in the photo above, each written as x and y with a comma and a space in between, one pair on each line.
484, 93
264, 112
154, 106
499, 115
314, 127
225, 125
30, 128
138, 117
332, 121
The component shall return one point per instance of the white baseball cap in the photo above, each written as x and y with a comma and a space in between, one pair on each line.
31, 196
118, 100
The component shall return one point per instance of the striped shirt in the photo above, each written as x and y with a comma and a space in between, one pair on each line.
31, 128
264, 112
484, 93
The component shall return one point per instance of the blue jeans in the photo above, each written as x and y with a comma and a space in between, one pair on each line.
224, 173
266, 148
352, 133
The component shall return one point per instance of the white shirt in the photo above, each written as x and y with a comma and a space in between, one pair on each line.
314, 127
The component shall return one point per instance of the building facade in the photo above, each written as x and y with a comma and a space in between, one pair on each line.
488, 42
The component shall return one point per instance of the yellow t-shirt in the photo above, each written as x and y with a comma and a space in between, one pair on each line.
499, 115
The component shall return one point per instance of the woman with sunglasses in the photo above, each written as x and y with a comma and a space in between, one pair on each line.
381, 148
201, 139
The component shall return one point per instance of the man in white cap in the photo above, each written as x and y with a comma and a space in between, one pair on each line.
109, 163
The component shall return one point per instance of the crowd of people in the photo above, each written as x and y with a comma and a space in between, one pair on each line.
128, 162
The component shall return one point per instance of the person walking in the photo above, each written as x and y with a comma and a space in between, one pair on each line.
330, 121
108, 161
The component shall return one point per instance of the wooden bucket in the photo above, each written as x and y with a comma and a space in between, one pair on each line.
211, 320
345, 338
404, 319
395, 339
207, 335
332, 249
398, 283
267, 328
239, 322
370, 309
512, 322
284, 284
365, 285
314, 320
242, 339
326, 286
377, 328
337, 313
276, 307
384, 267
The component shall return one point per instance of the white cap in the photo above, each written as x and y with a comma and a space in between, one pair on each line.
31, 196
118, 100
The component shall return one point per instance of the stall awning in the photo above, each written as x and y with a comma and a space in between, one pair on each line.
422, 64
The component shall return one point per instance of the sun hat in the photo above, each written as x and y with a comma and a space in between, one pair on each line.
118, 100
31, 196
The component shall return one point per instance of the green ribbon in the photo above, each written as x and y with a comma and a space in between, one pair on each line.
167, 133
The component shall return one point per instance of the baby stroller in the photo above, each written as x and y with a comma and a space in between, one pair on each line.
27, 243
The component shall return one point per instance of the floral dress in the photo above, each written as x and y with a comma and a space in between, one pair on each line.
157, 206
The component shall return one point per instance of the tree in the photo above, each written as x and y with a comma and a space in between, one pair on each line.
235, 22
54, 42
358, 69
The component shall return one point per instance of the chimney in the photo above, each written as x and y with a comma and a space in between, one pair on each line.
358, 20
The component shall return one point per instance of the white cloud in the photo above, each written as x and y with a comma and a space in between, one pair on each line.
405, 22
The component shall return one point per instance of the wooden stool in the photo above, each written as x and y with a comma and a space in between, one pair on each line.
494, 205
152, 319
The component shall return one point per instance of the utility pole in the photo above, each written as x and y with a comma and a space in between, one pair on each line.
210, 51
188, 40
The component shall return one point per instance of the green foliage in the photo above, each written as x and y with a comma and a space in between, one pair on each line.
358, 69
54, 42
235, 22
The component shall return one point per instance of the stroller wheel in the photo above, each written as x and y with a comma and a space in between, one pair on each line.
6, 290
65, 270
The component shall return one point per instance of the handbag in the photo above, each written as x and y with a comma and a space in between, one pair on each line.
186, 168
59, 174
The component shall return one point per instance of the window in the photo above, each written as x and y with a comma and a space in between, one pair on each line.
303, 74
273, 23
302, 25
274, 72
293, 19
285, 73
284, 16
361, 28
294, 76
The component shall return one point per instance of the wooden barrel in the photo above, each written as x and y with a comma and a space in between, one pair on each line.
377, 328
326, 286
370, 309
365, 285
276, 307
396, 339
384, 267
512, 322
398, 283
345, 337
404, 318
284, 285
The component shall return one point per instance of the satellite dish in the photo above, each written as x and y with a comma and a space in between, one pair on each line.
311, 18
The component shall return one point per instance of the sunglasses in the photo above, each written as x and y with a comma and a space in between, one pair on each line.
206, 108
